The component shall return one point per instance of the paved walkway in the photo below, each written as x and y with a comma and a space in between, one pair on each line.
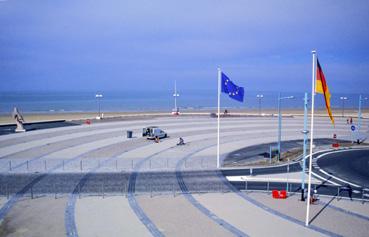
172, 216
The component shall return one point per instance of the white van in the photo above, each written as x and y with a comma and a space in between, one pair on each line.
153, 132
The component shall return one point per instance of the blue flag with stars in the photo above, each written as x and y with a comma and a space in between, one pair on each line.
235, 92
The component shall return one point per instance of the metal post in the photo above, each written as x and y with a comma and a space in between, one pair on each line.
132, 164
270, 154
359, 115
27, 165
151, 190
80, 164
343, 98
305, 132
54, 189
45, 165
218, 122
338, 192
63, 165
167, 163
103, 190
79, 191
288, 172
10, 165
116, 164
246, 185
150, 163
279, 126
31, 192
259, 97
7, 191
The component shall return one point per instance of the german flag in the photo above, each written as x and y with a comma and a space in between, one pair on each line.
322, 88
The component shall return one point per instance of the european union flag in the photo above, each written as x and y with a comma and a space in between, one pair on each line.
233, 91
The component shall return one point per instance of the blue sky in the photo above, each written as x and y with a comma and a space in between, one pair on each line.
145, 44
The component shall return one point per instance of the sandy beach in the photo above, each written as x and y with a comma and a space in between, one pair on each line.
78, 116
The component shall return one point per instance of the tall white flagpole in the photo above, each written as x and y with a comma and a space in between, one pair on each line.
311, 137
218, 140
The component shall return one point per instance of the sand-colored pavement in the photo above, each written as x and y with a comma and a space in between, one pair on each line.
325, 218
109, 216
175, 216
36, 217
250, 218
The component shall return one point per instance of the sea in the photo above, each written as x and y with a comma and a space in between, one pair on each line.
155, 100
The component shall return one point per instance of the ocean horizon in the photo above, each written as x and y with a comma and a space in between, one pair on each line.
159, 100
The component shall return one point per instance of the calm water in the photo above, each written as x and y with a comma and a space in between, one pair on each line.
51, 102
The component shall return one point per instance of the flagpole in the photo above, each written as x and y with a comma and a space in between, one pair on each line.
311, 137
218, 140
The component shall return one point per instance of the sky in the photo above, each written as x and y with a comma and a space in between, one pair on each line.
60, 45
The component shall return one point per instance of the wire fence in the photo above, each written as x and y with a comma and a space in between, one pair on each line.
98, 165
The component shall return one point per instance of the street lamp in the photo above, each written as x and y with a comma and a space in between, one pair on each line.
175, 95
280, 122
305, 132
98, 97
343, 98
359, 114
260, 97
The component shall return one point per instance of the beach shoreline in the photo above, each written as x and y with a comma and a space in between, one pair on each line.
6, 119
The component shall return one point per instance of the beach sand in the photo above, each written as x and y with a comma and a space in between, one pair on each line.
80, 116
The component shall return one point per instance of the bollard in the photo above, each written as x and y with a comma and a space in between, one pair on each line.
98, 164
268, 186
31, 192
245, 185
167, 163
174, 193
80, 165
132, 164
202, 161
45, 165
150, 163
63, 165
251, 171
27, 166
7, 191
54, 190
185, 163
150, 190
362, 196
79, 191
116, 164
103, 190
338, 193
10, 165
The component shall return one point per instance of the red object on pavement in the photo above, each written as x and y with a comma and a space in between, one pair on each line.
283, 194
275, 194
335, 145
88, 121
279, 194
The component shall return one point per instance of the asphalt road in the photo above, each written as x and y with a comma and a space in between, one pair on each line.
350, 165
242, 156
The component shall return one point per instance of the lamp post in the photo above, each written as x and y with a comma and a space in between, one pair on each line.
305, 132
260, 96
343, 98
359, 114
280, 122
175, 95
98, 97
